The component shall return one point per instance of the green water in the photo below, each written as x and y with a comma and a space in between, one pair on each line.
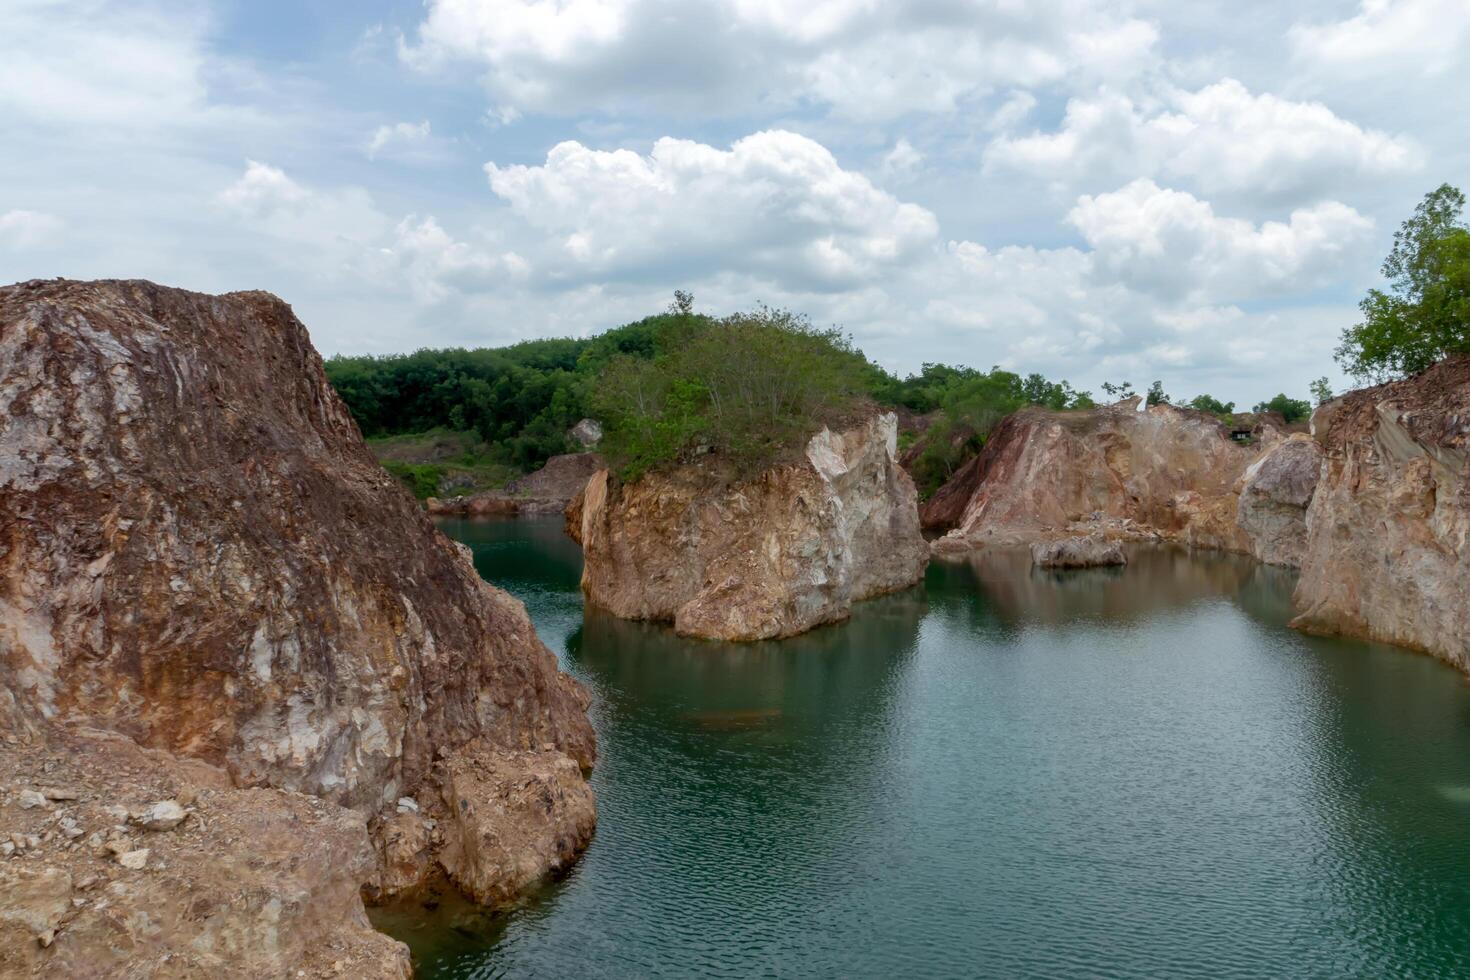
1136, 773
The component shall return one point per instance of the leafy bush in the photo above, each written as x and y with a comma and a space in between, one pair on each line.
751, 387
1213, 405
420, 478
1290, 409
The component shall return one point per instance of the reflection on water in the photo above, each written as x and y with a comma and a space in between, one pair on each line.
1125, 772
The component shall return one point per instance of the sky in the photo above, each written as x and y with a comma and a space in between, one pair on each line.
1099, 190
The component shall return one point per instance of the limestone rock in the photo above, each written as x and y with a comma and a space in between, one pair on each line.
406, 854
511, 819
200, 554
1166, 472
163, 815
204, 555
134, 860
1387, 551
1274, 495
265, 884
587, 433
756, 558
1088, 551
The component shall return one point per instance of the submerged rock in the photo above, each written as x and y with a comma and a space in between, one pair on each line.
201, 554
1166, 473
1387, 552
1089, 551
758, 558
1274, 494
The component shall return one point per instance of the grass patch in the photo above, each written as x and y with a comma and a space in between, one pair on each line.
443, 462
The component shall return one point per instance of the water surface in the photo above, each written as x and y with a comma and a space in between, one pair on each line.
1110, 773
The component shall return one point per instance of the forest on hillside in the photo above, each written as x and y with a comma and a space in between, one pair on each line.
748, 385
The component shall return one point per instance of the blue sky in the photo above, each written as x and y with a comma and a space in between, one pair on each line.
1095, 189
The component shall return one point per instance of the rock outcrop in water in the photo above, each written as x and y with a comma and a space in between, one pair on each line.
1164, 473
200, 553
1387, 552
1083, 551
1274, 495
757, 558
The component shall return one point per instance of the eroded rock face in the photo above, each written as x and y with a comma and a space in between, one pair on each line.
511, 819
199, 552
202, 554
1083, 551
1388, 530
254, 883
1274, 494
1164, 473
754, 559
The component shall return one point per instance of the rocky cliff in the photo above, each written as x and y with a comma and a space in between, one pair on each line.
1387, 550
1274, 493
748, 559
199, 553
1162, 473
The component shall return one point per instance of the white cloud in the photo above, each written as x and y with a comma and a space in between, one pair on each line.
902, 160
861, 58
331, 233
1219, 139
775, 204
1172, 244
1065, 313
399, 138
1012, 112
261, 190
100, 64
1422, 36
438, 265
28, 229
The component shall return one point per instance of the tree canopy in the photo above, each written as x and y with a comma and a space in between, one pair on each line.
1425, 313
1290, 409
749, 387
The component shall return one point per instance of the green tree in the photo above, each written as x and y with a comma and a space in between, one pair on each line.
1118, 392
1156, 394
1213, 405
1321, 390
1425, 314
1290, 409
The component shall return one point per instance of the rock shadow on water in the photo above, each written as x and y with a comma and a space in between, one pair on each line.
837, 670
1016, 594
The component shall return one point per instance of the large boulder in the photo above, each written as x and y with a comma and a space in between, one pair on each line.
1082, 551
1274, 494
755, 558
1162, 473
200, 553
1387, 551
